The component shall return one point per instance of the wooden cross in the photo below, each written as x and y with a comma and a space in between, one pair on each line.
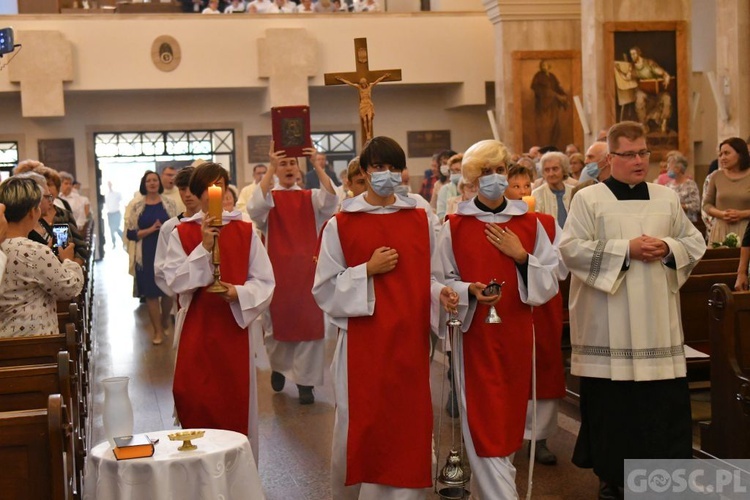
364, 79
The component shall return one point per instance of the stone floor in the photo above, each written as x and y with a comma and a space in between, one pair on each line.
294, 440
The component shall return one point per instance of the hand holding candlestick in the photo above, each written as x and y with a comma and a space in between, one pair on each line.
211, 225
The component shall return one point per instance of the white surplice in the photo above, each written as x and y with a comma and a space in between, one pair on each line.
301, 362
494, 477
184, 274
625, 324
343, 292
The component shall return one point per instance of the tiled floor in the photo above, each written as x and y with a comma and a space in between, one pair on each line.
294, 440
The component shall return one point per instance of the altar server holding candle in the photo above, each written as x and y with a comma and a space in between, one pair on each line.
214, 382
291, 219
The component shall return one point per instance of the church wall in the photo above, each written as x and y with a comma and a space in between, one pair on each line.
117, 87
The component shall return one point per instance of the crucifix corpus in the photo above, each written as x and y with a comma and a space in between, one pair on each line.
364, 80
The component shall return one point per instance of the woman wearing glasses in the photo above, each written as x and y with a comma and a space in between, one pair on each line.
727, 198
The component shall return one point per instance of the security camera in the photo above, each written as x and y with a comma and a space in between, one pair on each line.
6, 41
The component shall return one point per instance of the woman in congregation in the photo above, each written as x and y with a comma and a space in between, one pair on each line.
727, 198
35, 279
493, 361
683, 185
144, 221
214, 382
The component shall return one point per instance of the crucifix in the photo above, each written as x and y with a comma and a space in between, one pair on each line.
363, 79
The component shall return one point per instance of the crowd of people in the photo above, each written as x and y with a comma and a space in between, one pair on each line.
382, 269
279, 6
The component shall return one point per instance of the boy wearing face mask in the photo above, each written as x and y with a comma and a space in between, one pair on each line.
374, 279
491, 237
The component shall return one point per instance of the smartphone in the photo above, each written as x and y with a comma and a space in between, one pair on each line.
61, 233
6, 41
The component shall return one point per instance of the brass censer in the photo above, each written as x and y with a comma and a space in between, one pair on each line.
454, 475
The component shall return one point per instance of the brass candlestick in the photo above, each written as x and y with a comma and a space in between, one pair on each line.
216, 287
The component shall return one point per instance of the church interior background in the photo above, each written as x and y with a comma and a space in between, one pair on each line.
92, 93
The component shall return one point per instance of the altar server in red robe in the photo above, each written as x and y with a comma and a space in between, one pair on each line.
493, 361
374, 280
548, 326
214, 382
291, 219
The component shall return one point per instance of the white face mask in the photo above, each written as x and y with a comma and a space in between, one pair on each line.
493, 186
445, 170
384, 183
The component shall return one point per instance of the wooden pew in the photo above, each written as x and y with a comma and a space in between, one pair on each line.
28, 387
716, 266
721, 253
36, 350
35, 451
727, 435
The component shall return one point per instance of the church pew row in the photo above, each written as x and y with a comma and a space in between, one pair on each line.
28, 387
44, 349
36, 450
721, 253
716, 266
727, 435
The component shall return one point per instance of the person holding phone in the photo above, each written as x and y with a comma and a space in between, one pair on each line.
35, 279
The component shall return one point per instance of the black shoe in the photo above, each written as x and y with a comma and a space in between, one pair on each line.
610, 491
277, 381
306, 396
543, 455
451, 407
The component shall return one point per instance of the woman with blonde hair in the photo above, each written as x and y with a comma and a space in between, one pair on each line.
493, 238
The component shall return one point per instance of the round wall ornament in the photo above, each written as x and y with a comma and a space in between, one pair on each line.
165, 53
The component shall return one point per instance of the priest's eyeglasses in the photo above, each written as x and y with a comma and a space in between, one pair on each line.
630, 155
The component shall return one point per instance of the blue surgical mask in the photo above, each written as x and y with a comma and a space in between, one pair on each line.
672, 174
493, 186
590, 171
455, 177
401, 190
384, 183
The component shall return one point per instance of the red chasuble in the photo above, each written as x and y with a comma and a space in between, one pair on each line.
292, 245
390, 409
497, 357
548, 325
212, 376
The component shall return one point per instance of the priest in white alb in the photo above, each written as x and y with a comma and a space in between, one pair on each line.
629, 247
215, 378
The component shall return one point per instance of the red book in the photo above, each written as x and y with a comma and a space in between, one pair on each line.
291, 129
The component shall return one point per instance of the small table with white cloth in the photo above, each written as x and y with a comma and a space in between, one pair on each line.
221, 467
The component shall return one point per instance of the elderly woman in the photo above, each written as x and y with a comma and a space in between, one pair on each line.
553, 197
493, 238
35, 279
143, 224
684, 186
727, 198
